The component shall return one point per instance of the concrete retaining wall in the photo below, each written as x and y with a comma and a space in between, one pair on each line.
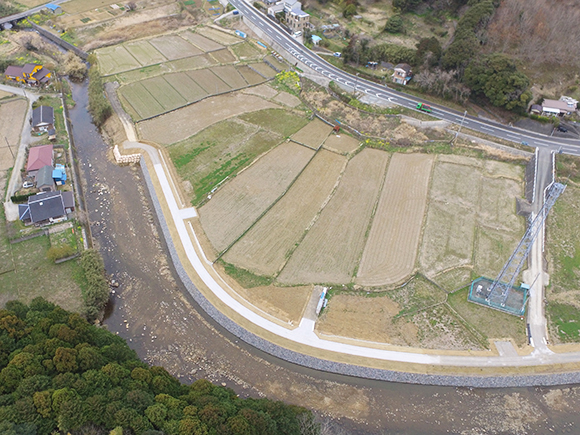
122, 158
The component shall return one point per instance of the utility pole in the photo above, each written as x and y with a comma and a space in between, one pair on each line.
355, 85
6, 139
460, 125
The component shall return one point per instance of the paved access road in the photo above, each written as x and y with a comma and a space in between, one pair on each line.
380, 92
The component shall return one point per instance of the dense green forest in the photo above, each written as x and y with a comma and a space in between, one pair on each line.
60, 373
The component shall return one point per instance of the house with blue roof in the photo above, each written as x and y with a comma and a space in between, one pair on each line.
55, 9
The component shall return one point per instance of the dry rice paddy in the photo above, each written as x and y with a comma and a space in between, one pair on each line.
331, 249
202, 42
144, 52
174, 47
236, 206
313, 134
12, 116
194, 118
389, 255
341, 143
116, 59
265, 248
219, 36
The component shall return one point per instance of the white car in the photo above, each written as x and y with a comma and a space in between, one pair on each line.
297, 34
336, 54
28, 184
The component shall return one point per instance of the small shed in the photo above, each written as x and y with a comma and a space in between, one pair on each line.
59, 175
316, 39
55, 9
536, 109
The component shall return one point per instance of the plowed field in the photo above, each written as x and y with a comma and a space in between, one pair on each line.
236, 206
196, 117
201, 41
144, 52
174, 47
208, 81
331, 249
389, 255
313, 134
341, 143
265, 247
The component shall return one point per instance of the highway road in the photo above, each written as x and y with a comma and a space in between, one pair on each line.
277, 34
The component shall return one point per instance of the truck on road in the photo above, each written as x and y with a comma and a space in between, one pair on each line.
424, 107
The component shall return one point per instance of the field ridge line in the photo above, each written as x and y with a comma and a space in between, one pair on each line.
373, 213
316, 216
267, 209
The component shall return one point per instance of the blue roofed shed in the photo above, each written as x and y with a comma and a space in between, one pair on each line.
55, 9
59, 175
316, 39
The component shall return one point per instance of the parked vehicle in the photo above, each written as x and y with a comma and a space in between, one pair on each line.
28, 184
562, 129
337, 54
236, 12
297, 34
424, 107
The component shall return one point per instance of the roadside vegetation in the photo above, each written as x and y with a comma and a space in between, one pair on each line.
99, 106
61, 374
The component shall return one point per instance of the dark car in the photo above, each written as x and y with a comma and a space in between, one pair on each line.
562, 129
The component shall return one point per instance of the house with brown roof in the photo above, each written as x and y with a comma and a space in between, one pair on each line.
38, 157
402, 74
557, 108
31, 74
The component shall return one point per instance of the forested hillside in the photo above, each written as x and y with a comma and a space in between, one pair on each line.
58, 372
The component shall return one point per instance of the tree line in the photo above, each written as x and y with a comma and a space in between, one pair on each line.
61, 374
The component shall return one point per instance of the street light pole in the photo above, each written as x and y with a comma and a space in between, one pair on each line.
10, 149
460, 125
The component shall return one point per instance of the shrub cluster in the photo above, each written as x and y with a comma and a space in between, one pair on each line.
57, 252
96, 294
59, 373
99, 106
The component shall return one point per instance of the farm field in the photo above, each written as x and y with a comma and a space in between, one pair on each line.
141, 100
218, 152
264, 70
208, 81
116, 59
277, 120
75, 6
331, 249
246, 50
341, 143
237, 205
313, 134
251, 76
389, 255
194, 118
201, 42
266, 246
287, 99
471, 218
219, 36
223, 56
144, 52
186, 86
174, 47
230, 76
12, 115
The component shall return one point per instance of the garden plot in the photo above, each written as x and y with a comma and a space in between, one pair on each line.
237, 205
263, 69
209, 81
219, 36
218, 152
266, 246
231, 76
223, 56
201, 42
144, 52
116, 59
12, 116
313, 134
277, 120
196, 117
389, 255
251, 76
331, 249
341, 143
174, 47
189, 89
141, 100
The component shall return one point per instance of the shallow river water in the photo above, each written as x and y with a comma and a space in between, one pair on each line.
165, 326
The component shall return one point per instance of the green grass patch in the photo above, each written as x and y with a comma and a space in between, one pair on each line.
246, 278
487, 322
218, 152
416, 295
567, 320
277, 120
568, 167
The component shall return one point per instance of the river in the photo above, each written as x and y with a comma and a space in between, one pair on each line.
159, 319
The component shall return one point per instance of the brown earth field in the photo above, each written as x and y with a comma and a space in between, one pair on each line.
266, 246
240, 202
12, 116
264, 70
251, 76
230, 75
391, 249
196, 117
331, 249
313, 134
219, 36
341, 143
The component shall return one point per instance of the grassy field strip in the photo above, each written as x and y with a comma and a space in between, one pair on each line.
164, 93
265, 247
174, 47
240, 202
116, 59
246, 50
141, 100
219, 36
342, 143
390, 253
201, 42
277, 120
145, 53
76, 6
332, 247
208, 81
185, 85
313, 134
194, 118
223, 56
251, 76
263, 69
231, 76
